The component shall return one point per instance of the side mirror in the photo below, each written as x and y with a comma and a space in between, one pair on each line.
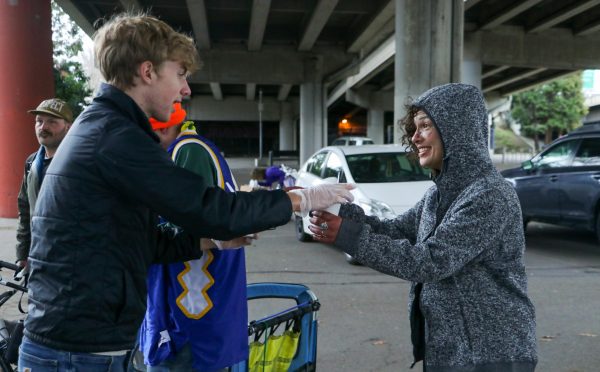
527, 165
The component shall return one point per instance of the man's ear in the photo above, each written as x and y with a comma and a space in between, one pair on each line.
145, 71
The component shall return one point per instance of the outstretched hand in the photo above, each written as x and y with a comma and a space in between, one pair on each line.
325, 226
323, 196
234, 243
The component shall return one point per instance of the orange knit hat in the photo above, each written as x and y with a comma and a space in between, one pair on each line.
176, 118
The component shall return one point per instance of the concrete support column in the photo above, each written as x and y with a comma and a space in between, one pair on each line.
313, 126
375, 125
286, 128
26, 80
429, 38
471, 65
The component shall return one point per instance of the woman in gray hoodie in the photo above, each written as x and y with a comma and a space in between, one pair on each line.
462, 245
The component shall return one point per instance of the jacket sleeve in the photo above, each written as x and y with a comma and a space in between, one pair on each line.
129, 161
403, 226
24, 223
194, 158
471, 227
175, 245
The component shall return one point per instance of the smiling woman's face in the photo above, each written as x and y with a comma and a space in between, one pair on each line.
428, 142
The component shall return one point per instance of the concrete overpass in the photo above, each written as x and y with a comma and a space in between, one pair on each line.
318, 61
321, 61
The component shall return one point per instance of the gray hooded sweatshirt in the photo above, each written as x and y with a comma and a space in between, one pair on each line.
462, 246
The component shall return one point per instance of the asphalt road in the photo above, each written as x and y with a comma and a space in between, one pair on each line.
363, 321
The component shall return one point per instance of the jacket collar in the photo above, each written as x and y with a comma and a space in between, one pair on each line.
126, 106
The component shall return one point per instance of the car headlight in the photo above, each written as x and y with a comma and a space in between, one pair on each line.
377, 208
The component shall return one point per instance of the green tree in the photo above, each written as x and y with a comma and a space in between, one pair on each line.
550, 109
70, 81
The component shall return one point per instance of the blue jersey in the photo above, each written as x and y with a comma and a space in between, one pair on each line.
201, 302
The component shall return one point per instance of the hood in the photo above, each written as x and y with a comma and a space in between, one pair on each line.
458, 112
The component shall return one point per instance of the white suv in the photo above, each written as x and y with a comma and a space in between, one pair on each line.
352, 141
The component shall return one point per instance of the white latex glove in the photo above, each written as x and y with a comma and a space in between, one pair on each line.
235, 243
323, 196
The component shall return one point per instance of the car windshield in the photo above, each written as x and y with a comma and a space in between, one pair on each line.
385, 167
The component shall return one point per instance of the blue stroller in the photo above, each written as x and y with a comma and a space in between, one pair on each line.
303, 316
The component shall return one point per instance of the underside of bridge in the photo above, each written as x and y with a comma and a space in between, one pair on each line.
262, 44
316, 62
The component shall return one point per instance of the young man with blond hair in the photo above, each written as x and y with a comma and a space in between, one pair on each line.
94, 231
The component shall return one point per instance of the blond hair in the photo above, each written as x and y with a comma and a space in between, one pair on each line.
126, 40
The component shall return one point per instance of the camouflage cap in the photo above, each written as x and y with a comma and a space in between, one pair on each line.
55, 107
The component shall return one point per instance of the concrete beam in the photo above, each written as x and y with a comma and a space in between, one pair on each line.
250, 91
315, 25
216, 91
76, 16
524, 87
554, 49
274, 65
386, 30
199, 20
258, 23
384, 16
342, 73
494, 71
512, 79
236, 108
588, 29
360, 99
388, 86
470, 3
372, 100
382, 100
373, 63
562, 15
284, 91
508, 13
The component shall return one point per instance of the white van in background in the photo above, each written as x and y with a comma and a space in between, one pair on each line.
352, 141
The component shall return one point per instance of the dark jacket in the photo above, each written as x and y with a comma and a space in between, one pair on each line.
30, 188
94, 228
462, 246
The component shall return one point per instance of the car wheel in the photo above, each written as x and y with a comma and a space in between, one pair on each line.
351, 260
300, 234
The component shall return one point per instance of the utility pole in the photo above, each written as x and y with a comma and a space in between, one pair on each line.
260, 125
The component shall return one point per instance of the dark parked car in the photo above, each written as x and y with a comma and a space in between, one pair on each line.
561, 185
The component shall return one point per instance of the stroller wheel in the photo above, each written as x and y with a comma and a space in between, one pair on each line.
351, 260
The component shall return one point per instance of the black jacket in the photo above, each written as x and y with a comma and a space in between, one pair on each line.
94, 228
30, 188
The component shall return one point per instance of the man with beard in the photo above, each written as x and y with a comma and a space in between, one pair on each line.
53, 118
